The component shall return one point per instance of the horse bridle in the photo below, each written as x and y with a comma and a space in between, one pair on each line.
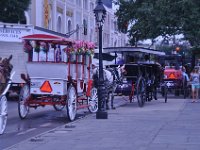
116, 75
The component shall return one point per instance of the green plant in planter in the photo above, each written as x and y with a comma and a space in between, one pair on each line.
44, 47
37, 47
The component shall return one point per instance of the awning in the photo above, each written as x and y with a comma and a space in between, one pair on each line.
132, 49
47, 37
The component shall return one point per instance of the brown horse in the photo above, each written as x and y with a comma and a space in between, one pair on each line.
5, 70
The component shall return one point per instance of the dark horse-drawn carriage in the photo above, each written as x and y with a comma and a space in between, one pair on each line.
143, 74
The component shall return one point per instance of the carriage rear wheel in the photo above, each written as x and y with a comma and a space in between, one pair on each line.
3, 113
93, 100
71, 102
58, 107
24, 95
141, 91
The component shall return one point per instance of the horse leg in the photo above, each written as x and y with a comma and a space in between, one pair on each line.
107, 101
112, 96
112, 99
112, 104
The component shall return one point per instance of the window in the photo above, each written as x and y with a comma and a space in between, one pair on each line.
77, 33
91, 34
69, 26
115, 25
85, 27
85, 4
91, 6
59, 25
78, 3
50, 24
108, 20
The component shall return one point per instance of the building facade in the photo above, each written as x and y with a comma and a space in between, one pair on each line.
75, 18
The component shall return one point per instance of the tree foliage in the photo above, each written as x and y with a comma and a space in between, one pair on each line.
149, 19
12, 11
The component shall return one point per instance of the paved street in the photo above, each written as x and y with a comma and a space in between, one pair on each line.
157, 126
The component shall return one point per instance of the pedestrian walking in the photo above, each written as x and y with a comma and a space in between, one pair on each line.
194, 78
185, 75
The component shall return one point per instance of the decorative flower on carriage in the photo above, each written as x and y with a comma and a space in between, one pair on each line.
89, 48
83, 47
44, 47
80, 47
27, 46
36, 46
69, 50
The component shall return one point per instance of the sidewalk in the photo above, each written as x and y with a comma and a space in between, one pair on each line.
157, 126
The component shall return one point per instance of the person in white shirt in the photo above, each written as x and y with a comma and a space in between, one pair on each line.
194, 78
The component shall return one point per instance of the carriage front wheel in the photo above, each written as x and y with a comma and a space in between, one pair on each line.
3, 113
23, 107
141, 91
71, 102
93, 100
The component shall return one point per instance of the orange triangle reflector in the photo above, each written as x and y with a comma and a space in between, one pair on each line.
172, 76
46, 87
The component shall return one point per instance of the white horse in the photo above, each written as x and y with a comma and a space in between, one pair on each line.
112, 77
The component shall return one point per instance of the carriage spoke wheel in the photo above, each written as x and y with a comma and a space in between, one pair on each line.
24, 95
71, 103
93, 101
3, 113
57, 107
141, 92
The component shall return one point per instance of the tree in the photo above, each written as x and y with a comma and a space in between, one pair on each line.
12, 11
149, 19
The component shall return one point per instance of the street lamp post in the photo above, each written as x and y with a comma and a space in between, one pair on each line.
100, 14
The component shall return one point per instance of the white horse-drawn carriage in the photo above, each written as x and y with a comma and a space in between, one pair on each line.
59, 73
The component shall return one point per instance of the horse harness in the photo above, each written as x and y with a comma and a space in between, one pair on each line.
115, 75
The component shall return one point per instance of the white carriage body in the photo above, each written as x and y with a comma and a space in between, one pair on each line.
55, 73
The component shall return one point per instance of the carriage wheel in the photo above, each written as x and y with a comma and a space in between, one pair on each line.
93, 101
58, 107
71, 102
24, 95
141, 91
3, 113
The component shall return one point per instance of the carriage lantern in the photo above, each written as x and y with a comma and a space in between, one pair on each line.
100, 14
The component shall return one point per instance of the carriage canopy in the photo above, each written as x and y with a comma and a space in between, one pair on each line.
49, 38
133, 49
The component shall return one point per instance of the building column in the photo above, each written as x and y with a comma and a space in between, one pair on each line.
64, 19
54, 17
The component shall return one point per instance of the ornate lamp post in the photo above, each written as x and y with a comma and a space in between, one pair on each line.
100, 14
